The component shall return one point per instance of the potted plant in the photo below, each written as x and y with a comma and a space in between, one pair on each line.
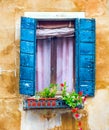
48, 92
75, 101
47, 98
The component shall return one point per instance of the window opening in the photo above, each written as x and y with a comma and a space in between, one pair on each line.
55, 53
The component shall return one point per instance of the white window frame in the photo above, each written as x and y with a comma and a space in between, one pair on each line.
54, 15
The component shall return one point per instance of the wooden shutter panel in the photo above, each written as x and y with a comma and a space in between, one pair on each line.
27, 56
85, 56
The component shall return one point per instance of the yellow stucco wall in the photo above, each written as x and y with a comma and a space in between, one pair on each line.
10, 100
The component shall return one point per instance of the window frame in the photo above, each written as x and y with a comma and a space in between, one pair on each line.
53, 58
77, 52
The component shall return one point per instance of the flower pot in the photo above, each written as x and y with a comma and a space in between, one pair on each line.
32, 103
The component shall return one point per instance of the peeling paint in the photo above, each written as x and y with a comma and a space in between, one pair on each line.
36, 120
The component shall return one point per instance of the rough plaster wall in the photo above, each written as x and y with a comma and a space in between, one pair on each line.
97, 107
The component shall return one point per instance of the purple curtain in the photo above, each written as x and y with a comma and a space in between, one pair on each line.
43, 63
65, 61
64, 68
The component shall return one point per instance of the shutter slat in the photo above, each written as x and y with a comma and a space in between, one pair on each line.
27, 60
86, 74
87, 48
27, 35
86, 61
26, 87
27, 56
85, 52
87, 24
27, 47
87, 36
87, 87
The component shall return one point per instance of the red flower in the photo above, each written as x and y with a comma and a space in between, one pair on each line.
74, 110
62, 85
80, 93
79, 123
84, 99
76, 115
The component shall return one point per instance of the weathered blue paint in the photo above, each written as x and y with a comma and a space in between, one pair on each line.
86, 61
28, 23
89, 50
87, 87
27, 60
27, 35
87, 24
86, 36
27, 56
85, 52
26, 73
86, 74
27, 47
26, 87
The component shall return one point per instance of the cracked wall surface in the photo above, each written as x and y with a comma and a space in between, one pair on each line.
12, 117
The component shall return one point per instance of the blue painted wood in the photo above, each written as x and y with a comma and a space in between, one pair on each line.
27, 87
87, 24
86, 74
85, 49
28, 23
86, 61
87, 36
27, 35
27, 60
27, 47
26, 73
27, 56
87, 87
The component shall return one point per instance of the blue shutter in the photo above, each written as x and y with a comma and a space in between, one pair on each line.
27, 56
85, 56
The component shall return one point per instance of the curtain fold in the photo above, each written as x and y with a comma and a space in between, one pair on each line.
43, 63
65, 62
57, 32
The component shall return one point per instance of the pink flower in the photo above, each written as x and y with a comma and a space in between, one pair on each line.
76, 115
84, 99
